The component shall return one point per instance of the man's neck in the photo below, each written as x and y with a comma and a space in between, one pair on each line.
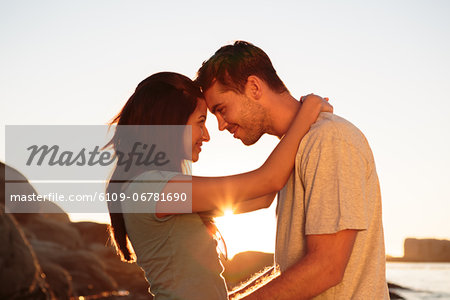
281, 112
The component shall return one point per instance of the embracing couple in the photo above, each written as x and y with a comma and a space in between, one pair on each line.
329, 242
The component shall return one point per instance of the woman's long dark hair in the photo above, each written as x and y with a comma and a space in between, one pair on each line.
162, 99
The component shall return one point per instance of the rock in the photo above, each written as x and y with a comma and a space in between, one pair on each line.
244, 265
427, 250
34, 209
75, 259
104, 252
46, 229
393, 290
86, 269
28, 234
395, 296
21, 276
129, 277
24, 188
58, 279
92, 232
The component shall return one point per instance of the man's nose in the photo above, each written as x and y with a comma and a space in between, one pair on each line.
222, 123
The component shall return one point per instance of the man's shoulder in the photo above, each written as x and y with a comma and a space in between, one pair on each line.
331, 125
328, 123
331, 128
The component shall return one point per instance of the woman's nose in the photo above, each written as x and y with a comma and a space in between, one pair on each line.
205, 134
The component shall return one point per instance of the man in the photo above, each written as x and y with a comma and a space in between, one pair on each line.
329, 242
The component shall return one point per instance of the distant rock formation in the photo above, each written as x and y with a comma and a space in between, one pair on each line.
244, 265
427, 250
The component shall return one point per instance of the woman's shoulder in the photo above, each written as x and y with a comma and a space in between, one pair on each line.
155, 175
141, 193
155, 178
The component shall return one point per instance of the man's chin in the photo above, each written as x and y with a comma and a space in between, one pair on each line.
248, 141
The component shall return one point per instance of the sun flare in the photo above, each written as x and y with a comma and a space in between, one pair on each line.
241, 231
228, 212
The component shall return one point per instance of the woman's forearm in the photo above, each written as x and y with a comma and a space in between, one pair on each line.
281, 161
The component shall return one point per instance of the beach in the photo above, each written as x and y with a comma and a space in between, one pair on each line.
422, 280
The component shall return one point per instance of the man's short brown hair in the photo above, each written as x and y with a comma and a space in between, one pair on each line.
231, 66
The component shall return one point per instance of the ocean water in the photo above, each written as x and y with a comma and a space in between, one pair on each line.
424, 280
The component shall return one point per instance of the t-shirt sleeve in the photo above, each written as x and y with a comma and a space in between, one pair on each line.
151, 182
334, 176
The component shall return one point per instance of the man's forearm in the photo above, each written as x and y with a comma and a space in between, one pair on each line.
304, 280
254, 283
321, 268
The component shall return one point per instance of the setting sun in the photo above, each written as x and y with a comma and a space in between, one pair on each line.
241, 231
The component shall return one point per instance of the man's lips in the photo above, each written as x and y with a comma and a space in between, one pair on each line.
233, 130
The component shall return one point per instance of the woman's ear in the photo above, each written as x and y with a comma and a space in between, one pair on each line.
253, 87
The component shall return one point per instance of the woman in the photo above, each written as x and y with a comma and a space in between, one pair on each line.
178, 251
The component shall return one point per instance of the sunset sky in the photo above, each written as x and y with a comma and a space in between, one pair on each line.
385, 65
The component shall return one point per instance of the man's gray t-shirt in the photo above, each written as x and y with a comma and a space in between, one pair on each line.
334, 186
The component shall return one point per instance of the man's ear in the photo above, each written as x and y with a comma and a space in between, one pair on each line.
253, 87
